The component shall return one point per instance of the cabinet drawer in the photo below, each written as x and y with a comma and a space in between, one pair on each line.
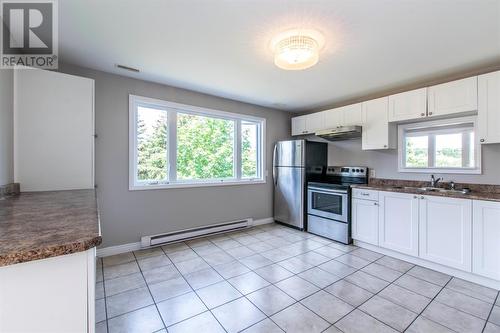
358, 193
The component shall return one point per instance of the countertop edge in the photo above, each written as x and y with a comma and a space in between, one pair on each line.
471, 196
29, 255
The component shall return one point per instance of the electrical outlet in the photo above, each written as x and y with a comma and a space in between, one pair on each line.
372, 173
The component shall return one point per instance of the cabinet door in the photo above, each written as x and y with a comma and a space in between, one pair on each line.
408, 105
54, 131
453, 97
352, 115
445, 231
486, 239
489, 108
333, 118
399, 222
377, 133
365, 221
299, 125
315, 122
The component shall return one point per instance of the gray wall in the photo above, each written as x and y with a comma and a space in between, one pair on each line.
127, 215
6, 126
385, 163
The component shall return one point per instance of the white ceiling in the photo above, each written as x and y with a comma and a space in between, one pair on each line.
221, 47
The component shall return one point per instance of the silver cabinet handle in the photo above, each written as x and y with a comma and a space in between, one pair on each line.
415, 197
365, 194
422, 197
375, 203
482, 140
430, 113
422, 114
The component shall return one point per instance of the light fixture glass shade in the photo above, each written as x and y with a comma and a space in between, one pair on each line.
297, 49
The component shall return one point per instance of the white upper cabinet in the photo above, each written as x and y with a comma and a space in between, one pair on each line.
333, 118
315, 121
53, 131
308, 124
489, 108
377, 132
408, 105
344, 116
398, 216
453, 97
351, 115
299, 125
486, 239
446, 231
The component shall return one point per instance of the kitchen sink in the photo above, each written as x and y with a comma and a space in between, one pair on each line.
431, 189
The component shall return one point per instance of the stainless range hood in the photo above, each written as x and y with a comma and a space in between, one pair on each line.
340, 133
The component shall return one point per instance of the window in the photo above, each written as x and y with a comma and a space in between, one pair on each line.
175, 145
447, 146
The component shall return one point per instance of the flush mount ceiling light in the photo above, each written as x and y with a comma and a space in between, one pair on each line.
297, 49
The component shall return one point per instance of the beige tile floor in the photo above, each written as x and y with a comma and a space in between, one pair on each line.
273, 279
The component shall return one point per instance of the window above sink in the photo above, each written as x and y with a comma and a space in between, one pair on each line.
442, 146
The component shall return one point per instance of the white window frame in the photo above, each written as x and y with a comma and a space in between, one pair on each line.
436, 123
173, 108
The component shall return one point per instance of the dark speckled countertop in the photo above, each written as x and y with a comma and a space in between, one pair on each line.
478, 191
38, 225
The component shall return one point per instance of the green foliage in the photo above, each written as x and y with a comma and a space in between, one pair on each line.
204, 147
415, 157
152, 151
449, 158
248, 154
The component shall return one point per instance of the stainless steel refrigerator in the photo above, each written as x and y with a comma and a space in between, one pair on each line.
295, 163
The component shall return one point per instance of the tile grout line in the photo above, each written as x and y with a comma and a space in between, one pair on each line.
105, 300
357, 307
272, 262
432, 300
491, 311
150, 293
271, 284
208, 308
251, 270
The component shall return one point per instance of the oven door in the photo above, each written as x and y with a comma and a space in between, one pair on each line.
328, 203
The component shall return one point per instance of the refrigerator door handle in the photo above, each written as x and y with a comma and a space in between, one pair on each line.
275, 176
274, 154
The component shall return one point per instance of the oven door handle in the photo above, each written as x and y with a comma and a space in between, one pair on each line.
320, 190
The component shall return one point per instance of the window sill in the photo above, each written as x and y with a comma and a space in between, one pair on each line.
194, 185
442, 171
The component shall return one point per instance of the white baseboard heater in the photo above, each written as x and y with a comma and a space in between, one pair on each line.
186, 234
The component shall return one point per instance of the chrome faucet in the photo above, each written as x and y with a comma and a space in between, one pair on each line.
434, 181
452, 186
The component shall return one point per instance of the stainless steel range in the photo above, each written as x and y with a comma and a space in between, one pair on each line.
329, 202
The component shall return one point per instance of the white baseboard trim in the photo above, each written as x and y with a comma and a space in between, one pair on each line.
471, 277
118, 249
266, 220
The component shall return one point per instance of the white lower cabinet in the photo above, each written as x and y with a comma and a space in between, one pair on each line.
365, 221
445, 235
459, 233
398, 216
55, 295
486, 239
